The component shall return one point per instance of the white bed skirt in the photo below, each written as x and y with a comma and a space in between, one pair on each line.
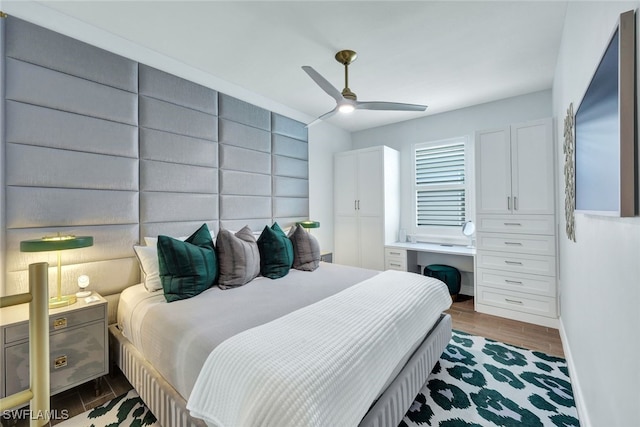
170, 408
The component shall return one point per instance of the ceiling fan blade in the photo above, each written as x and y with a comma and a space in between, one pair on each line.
323, 83
324, 116
389, 106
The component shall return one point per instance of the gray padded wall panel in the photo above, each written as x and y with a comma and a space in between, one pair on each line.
36, 85
34, 44
170, 147
242, 112
168, 117
241, 159
290, 168
245, 207
244, 136
243, 183
59, 129
33, 166
166, 87
72, 165
178, 145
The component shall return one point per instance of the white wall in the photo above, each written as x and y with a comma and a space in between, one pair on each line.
463, 122
600, 272
324, 141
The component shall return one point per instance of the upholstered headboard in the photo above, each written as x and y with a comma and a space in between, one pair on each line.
97, 144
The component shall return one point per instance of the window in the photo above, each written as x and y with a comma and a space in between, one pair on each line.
440, 186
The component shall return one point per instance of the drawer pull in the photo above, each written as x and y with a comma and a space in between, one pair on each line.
513, 243
395, 253
513, 282
512, 223
60, 323
60, 362
513, 301
513, 262
394, 264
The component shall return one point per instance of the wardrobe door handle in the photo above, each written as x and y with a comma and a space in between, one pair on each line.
355, 205
515, 203
509, 202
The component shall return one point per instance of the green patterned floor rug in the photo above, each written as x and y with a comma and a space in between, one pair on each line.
479, 382
127, 410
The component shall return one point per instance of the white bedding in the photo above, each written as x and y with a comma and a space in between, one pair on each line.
322, 365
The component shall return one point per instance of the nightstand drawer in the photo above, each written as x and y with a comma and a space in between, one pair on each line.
75, 356
57, 322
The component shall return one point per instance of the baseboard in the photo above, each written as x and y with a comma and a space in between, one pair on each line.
583, 415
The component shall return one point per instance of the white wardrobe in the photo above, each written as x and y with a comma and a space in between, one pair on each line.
366, 205
516, 238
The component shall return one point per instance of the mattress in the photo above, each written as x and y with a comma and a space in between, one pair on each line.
176, 338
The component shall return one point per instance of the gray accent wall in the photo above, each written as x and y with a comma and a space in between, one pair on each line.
97, 144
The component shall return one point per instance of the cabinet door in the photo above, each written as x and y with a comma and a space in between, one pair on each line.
345, 184
371, 241
532, 168
347, 250
370, 183
493, 171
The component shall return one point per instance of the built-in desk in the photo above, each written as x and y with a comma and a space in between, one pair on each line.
415, 256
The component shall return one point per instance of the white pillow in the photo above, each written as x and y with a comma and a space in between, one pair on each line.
148, 259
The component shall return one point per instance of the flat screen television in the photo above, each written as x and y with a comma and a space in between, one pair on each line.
606, 154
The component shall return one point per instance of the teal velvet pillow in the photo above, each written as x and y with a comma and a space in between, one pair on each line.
188, 267
276, 252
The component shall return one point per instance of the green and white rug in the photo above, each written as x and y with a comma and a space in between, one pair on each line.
480, 383
127, 410
476, 383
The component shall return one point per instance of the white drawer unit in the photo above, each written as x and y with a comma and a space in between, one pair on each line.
517, 301
535, 244
519, 263
78, 346
395, 259
517, 282
520, 224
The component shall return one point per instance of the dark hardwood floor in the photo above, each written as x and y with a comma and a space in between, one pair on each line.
533, 337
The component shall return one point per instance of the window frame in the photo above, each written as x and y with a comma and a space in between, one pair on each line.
442, 232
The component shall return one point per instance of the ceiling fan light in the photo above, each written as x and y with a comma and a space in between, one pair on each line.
346, 108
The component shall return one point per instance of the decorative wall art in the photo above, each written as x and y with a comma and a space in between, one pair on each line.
569, 174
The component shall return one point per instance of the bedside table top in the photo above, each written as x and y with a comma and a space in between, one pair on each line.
20, 313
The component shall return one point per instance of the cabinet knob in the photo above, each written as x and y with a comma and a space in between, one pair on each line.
59, 323
60, 362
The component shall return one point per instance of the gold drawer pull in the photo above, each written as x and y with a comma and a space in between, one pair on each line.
515, 282
60, 362
60, 323
513, 301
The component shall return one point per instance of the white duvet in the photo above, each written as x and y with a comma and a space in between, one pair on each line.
322, 365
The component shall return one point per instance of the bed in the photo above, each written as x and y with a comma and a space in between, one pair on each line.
161, 348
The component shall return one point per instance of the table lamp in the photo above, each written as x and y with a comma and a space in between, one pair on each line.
57, 243
309, 224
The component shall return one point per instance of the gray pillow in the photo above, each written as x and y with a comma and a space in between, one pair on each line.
306, 250
238, 258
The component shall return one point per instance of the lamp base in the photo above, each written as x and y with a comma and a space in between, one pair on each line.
63, 301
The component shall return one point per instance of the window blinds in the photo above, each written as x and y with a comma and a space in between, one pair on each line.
440, 185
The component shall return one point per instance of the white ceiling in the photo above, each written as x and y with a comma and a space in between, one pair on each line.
446, 55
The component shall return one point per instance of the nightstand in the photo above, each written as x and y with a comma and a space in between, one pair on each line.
326, 256
78, 345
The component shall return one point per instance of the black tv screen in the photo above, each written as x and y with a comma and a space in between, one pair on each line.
605, 152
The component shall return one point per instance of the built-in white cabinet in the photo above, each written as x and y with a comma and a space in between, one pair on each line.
516, 234
366, 205
515, 170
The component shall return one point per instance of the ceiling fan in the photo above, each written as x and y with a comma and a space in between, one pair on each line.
347, 101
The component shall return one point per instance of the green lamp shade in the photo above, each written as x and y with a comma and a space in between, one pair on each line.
309, 224
55, 243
